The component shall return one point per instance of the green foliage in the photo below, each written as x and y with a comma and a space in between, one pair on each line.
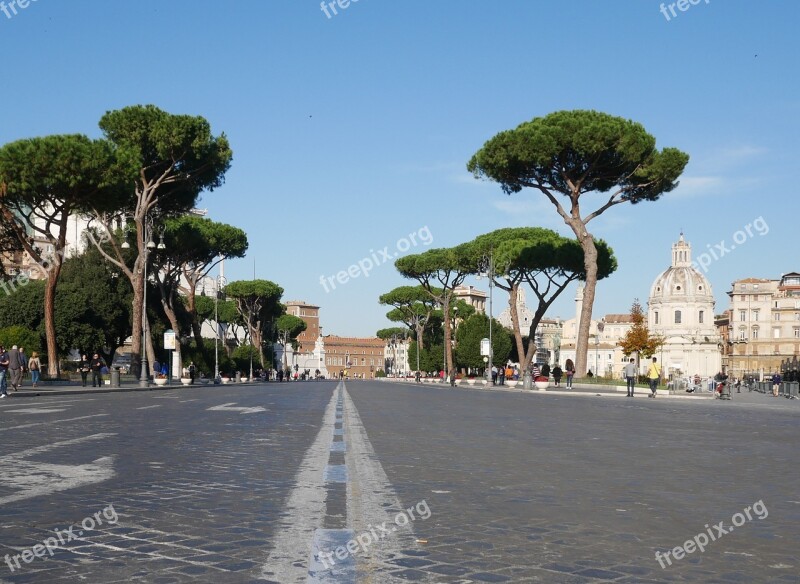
380, 373
152, 144
226, 310
93, 305
387, 333
638, 338
582, 149
199, 242
430, 358
468, 341
24, 306
22, 337
242, 356
291, 323
204, 358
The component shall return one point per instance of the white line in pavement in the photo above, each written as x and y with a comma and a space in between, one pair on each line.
50, 422
229, 408
288, 561
371, 501
30, 479
36, 411
149, 407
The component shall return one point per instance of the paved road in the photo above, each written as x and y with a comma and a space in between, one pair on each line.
271, 483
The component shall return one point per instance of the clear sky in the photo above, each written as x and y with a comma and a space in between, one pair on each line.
352, 131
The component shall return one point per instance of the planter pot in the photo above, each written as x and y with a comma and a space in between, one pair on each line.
511, 383
160, 381
185, 380
541, 385
245, 379
226, 380
470, 382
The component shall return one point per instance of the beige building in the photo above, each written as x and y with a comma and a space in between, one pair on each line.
356, 357
472, 296
605, 357
681, 309
764, 326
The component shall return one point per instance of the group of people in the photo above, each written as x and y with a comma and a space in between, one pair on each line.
95, 366
13, 366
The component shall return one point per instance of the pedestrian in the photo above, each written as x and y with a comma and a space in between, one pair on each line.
96, 365
3, 372
738, 385
776, 382
192, 372
546, 371
494, 375
569, 367
653, 375
35, 367
501, 375
630, 376
536, 371
84, 368
14, 368
557, 374
453, 374
23, 364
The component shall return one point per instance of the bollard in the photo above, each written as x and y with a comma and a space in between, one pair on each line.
794, 390
115, 377
238, 377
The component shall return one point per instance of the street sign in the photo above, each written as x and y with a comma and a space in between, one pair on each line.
486, 348
169, 340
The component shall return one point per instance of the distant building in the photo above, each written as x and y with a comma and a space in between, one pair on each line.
764, 326
472, 296
358, 357
681, 308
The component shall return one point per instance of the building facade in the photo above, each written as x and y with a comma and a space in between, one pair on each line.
354, 357
681, 309
764, 326
472, 296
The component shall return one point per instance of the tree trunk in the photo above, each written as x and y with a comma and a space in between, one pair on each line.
590, 265
151, 352
50, 317
136, 317
513, 294
448, 350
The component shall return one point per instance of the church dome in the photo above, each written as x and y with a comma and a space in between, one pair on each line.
681, 281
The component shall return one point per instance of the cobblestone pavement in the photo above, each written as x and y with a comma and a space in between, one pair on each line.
378, 482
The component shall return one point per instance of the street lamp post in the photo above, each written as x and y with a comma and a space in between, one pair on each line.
488, 262
149, 244
220, 283
600, 326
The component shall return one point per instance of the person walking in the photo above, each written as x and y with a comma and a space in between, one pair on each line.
14, 368
557, 374
776, 383
501, 375
494, 375
84, 368
192, 372
23, 364
96, 365
630, 376
4, 361
35, 367
569, 367
653, 375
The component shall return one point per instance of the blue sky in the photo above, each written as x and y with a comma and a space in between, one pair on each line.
352, 132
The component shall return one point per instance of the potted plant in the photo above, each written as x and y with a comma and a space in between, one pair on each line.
160, 379
541, 382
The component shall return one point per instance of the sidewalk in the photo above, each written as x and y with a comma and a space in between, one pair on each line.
61, 388
579, 389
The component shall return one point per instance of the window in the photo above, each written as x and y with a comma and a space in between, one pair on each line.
797, 332
777, 316
742, 334
742, 315
776, 333
755, 333
756, 314
700, 317
677, 317
655, 314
